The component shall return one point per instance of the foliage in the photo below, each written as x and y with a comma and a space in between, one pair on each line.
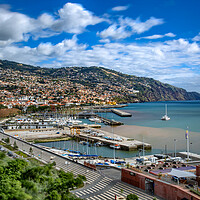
195, 191
2, 106
21, 154
33, 108
21, 180
2, 155
7, 140
9, 147
132, 197
15, 145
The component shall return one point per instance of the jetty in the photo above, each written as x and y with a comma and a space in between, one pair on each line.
121, 113
127, 144
110, 122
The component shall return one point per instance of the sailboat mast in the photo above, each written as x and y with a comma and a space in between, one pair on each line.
166, 109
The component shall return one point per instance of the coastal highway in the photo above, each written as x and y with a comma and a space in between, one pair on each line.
100, 184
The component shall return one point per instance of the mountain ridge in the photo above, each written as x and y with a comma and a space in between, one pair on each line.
124, 87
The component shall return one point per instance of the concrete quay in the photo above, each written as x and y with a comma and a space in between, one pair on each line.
121, 113
127, 144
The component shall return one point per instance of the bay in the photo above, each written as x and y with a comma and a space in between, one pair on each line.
146, 123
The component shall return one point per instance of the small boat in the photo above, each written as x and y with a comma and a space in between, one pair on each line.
95, 119
85, 143
98, 144
115, 146
165, 117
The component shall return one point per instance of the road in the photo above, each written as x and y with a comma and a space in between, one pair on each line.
100, 184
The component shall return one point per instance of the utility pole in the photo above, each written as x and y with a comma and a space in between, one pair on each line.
143, 146
114, 146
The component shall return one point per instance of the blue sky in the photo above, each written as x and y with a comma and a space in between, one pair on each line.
158, 39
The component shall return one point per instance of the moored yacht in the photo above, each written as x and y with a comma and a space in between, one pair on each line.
165, 117
115, 146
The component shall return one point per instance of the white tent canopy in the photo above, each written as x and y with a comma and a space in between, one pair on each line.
181, 174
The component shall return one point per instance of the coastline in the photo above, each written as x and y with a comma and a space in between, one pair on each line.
159, 137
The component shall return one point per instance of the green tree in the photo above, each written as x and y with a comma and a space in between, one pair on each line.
53, 195
7, 140
132, 197
121, 191
15, 145
31, 150
2, 155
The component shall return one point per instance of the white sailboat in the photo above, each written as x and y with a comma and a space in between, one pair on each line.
165, 117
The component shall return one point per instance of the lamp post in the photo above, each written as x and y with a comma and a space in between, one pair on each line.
188, 144
175, 140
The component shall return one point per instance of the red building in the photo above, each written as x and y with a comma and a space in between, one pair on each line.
156, 186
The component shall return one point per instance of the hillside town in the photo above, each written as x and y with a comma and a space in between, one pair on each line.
19, 88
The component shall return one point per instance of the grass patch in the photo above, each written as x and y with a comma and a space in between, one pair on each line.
9, 147
2, 143
51, 140
195, 191
21, 154
35, 161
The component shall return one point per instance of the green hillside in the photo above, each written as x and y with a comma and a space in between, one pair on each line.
100, 79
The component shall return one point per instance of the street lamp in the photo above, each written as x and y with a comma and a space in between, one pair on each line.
175, 140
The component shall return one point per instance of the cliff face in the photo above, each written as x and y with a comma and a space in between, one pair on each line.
123, 87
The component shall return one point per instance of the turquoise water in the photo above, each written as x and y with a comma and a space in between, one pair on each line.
183, 114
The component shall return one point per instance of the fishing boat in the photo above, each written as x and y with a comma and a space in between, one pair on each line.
115, 146
165, 117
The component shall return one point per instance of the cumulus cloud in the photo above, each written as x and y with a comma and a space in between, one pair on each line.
14, 26
120, 8
72, 18
152, 37
127, 27
104, 40
196, 38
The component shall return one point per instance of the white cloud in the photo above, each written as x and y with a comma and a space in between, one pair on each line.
157, 36
127, 27
104, 40
72, 18
196, 38
115, 32
14, 26
170, 35
120, 8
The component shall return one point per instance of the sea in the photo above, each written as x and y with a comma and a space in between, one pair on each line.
184, 115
